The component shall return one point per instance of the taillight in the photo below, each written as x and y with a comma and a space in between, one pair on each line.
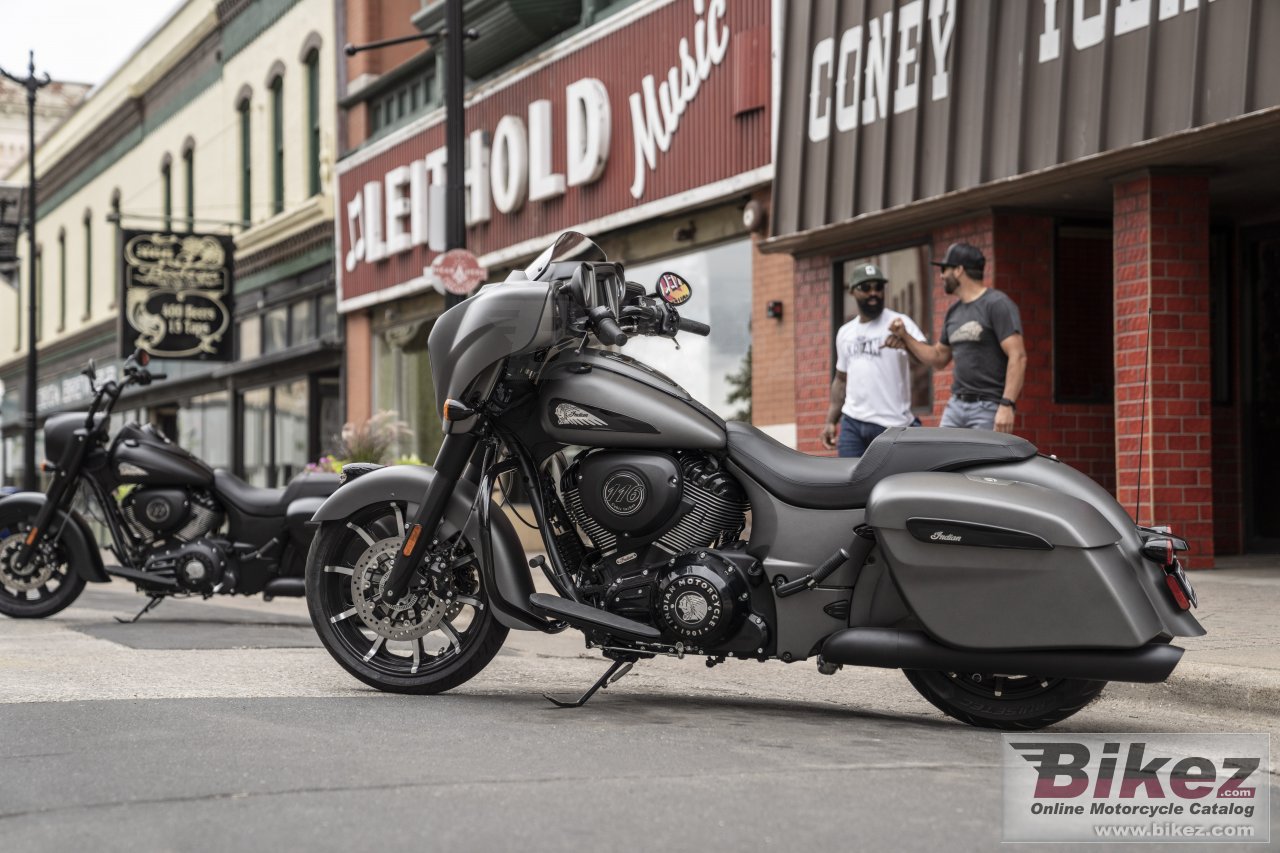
1179, 597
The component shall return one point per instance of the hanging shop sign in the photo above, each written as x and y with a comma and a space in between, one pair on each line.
177, 300
458, 271
593, 131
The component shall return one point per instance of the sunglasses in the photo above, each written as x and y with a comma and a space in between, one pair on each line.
868, 286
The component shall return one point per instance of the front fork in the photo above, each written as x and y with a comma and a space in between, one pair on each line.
64, 476
452, 460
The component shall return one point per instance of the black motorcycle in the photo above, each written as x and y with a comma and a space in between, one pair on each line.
165, 530
1008, 586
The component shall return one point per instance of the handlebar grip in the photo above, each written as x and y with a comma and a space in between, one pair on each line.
693, 327
609, 333
156, 376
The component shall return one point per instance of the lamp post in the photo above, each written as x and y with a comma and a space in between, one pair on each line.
453, 36
32, 84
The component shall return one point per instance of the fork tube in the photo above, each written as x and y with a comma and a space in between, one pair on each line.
454, 455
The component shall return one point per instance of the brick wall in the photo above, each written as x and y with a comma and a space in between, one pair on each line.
813, 350
1162, 337
359, 355
773, 345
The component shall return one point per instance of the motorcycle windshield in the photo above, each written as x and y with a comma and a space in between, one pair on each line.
499, 321
569, 246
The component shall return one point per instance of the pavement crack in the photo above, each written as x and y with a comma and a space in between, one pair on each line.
896, 766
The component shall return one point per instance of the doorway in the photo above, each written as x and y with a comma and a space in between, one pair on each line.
1261, 393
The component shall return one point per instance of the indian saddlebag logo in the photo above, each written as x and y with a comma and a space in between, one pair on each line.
623, 492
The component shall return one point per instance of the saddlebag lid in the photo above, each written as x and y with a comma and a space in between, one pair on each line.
985, 511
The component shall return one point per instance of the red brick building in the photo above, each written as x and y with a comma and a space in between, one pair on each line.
1116, 165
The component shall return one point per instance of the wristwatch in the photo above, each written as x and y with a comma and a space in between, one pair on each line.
1005, 401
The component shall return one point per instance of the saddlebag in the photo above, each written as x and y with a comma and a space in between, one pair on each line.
989, 563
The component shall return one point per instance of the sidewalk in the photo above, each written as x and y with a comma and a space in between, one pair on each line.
1237, 663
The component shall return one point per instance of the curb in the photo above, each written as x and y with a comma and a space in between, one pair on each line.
1220, 686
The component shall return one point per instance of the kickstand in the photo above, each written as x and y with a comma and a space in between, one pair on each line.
620, 668
155, 599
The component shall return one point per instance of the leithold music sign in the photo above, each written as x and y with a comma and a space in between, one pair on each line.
177, 299
657, 109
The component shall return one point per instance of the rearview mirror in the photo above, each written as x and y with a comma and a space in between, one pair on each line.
91, 371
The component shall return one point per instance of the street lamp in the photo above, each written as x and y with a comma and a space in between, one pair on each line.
455, 120
32, 84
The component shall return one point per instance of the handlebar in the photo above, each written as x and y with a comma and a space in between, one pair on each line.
693, 327
606, 327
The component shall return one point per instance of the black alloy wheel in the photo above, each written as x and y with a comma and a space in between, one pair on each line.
1002, 701
45, 585
434, 638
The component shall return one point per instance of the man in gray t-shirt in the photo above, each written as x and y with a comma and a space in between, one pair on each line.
983, 333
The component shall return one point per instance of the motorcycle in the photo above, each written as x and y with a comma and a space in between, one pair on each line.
163, 509
1008, 586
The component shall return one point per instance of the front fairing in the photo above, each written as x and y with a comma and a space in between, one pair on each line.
500, 321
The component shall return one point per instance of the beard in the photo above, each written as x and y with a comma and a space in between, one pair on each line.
871, 308
950, 284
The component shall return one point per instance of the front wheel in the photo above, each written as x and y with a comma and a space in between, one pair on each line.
432, 640
46, 584
1009, 702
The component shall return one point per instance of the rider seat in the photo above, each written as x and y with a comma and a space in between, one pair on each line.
820, 482
255, 500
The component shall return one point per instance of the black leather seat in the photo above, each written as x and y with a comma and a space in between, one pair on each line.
820, 482
255, 500
248, 498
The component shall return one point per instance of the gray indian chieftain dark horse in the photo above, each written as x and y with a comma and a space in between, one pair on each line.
1007, 585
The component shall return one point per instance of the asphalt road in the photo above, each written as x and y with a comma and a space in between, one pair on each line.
222, 725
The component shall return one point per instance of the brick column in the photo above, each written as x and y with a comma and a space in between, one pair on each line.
1162, 342
813, 366
773, 347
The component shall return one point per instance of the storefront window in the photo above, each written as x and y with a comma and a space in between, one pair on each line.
275, 330
250, 335
907, 292
721, 280
403, 385
204, 428
255, 419
328, 310
290, 430
302, 324
12, 461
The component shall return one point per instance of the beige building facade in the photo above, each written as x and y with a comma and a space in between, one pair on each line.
222, 122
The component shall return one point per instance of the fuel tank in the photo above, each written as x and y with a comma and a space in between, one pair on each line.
604, 399
141, 456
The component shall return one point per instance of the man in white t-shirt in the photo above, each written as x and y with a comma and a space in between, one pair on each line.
871, 390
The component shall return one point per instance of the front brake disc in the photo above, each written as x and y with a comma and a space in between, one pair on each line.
417, 614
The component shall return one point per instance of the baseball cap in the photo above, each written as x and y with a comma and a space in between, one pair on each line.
866, 272
964, 255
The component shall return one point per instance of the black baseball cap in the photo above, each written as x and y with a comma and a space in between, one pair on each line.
964, 255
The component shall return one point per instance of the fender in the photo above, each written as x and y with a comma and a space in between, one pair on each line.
508, 578
82, 547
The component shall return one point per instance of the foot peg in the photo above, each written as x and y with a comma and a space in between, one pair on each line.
620, 668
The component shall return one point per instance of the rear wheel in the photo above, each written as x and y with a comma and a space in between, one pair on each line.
433, 639
42, 587
1009, 702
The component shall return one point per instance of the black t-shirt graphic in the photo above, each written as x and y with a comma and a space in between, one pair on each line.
974, 331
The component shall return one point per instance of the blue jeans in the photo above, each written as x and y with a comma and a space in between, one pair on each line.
856, 436
977, 415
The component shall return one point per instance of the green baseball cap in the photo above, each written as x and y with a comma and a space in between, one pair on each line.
866, 272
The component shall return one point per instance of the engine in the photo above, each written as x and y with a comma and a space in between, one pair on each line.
156, 514
665, 528
625, 500
199, 566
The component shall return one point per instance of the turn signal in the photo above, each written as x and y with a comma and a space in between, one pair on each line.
46, 466
456, 410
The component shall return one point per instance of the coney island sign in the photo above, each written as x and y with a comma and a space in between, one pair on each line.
178, 294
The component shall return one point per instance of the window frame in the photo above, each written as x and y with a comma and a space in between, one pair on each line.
313, 122
277, 144
88, 265
246, 160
